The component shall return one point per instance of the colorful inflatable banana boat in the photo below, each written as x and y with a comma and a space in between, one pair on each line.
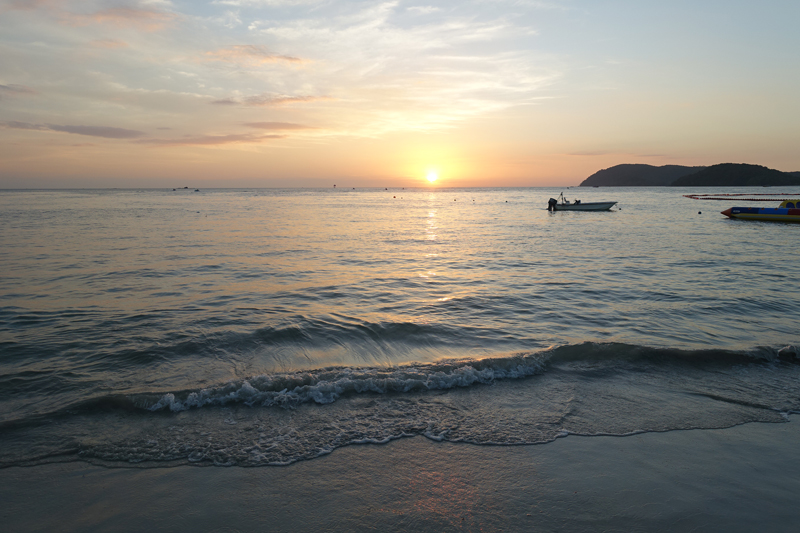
789, 211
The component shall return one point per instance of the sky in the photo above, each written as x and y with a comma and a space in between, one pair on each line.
311, 93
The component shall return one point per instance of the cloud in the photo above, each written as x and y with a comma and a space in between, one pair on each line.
276, 100
377, 67
249, 54
424, 10
278, 126
267, 100
28, 5
108, 43
213, 140
389, 71
225, 101
141, 18
13, 89
106, 132
13, 124
267, 3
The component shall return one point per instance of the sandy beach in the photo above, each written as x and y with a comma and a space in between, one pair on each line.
745, 478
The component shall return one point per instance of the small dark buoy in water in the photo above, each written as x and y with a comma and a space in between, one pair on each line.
699, 212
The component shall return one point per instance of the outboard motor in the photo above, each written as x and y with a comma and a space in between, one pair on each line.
551, 204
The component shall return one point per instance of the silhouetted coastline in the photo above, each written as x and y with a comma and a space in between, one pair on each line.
721, 175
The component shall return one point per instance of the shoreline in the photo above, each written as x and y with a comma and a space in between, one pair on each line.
743, 478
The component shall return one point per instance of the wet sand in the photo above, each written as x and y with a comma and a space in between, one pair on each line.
745, 478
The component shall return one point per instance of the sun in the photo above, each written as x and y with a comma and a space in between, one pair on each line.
432, 176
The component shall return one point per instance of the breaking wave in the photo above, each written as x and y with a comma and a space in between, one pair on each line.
328, 385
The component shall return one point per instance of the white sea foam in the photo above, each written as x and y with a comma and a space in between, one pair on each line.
327, 386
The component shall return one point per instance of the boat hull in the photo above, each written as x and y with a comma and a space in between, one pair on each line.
588, 206
777, 214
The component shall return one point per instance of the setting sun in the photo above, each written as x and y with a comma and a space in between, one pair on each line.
432, 176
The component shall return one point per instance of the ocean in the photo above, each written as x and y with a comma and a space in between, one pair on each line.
255, 327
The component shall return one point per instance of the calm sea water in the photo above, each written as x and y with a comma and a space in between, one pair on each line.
255, 327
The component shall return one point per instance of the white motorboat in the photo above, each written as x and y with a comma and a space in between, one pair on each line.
562, 204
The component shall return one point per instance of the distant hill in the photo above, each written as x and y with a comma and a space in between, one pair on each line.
638, 176
737, 175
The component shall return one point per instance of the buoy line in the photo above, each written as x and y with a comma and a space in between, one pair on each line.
738, 196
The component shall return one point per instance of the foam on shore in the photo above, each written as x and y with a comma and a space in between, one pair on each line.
738, 479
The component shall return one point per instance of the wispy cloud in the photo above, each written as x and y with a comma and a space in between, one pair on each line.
28, 5
279, 126
424, 10
277, 100
108, 43
249, 54
266, 100
107, 132
99, 131
13, 124
13, 89
142, 18
389, 74
377, 68
213, 140
267, 3
225, 101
